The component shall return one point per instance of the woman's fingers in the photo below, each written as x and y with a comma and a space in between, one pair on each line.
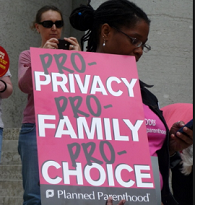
51, 43
74, 43
110, 202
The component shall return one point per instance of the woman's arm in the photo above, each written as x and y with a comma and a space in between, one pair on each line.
6, 87
24, 63
24, 72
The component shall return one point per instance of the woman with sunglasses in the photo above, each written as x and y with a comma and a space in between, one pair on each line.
121, 27
49, 24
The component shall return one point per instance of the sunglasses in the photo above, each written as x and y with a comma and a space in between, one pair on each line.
49, 24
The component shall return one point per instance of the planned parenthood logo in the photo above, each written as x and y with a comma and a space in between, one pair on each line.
49, 193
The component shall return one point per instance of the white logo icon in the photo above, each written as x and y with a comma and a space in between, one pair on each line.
49, 193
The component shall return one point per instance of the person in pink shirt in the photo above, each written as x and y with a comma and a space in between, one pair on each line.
121, 27
181, 162
49, 24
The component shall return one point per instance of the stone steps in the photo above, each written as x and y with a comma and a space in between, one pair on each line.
11, 191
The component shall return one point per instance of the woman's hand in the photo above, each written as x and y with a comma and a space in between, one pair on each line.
51, 43
179, 141
74, 44
110, 202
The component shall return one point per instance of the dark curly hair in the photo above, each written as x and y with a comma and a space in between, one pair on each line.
116, 13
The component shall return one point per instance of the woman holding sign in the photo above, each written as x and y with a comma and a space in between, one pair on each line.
49, 24
120, 27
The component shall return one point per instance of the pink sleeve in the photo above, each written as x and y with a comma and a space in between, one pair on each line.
178, 111
24, 72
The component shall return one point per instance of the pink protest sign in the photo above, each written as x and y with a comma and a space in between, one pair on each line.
91, 133
4, 61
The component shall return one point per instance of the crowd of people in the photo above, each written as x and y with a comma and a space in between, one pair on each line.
115, 27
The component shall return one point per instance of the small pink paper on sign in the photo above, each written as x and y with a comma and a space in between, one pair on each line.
90, 123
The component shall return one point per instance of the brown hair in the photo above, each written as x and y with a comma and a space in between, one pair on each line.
41, 11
